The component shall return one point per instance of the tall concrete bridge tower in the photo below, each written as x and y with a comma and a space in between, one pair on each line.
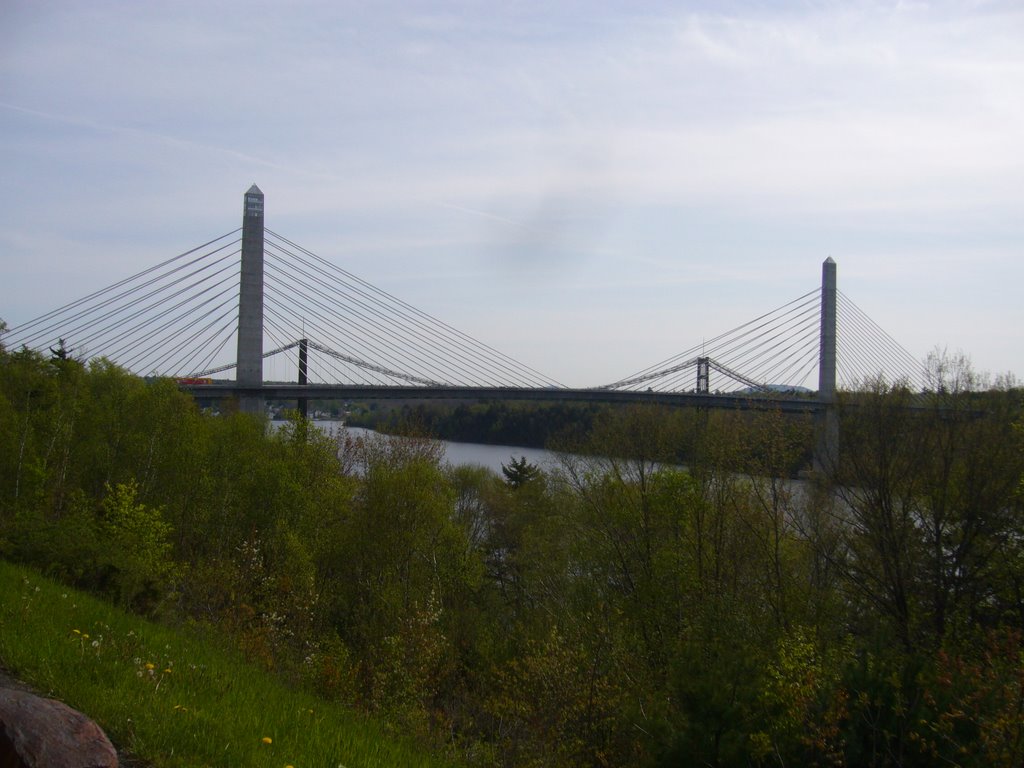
249, 371
827, 451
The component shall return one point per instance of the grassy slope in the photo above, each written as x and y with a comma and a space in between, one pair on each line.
170, 698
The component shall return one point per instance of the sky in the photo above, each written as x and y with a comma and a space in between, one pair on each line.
589, 187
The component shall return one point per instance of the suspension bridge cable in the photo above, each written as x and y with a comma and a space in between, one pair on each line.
170, 329
21, 338
773, 338
403, 316
117, 321
810, 364
367, 368
188, 363
369, 341
851, 352
699, 348
744, 344
774, 347
507, 361
728, 341
868, 335
227, 333
401, 350
179, 357
898, 351
305, 316
852, 349
390, 332
59, 310
106, 338
790, 359
189, 304
355, 318
859, 342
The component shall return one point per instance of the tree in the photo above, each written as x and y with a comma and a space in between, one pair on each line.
475, 490
398, 570
878, 482
60, 352
971, 509
519, 472
925, 500
136, 545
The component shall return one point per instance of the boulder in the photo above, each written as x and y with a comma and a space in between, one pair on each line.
44, 733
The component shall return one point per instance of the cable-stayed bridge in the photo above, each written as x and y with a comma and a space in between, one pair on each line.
222, 316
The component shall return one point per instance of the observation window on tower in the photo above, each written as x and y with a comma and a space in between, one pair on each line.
253, 205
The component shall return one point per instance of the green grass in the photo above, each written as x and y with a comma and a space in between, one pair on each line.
171, 698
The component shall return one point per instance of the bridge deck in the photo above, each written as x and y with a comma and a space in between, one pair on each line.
730, 401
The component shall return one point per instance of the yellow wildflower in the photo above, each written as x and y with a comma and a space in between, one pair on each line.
150, 665
267, 740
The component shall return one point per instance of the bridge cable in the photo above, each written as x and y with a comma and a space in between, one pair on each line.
385, 330
93, 333
334, 309
305, 318
172, 330
17, 334
178, 358
699, 348
507, 362
391, 333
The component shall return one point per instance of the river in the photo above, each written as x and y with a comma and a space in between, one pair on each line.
491, 456
460, 454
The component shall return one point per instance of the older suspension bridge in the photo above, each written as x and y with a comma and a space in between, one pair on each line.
347, 339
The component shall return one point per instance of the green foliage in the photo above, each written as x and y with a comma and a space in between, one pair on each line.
400, 565
803, 702
973, 698
519, 472
927, 506
620, 610
559, 703
137, 544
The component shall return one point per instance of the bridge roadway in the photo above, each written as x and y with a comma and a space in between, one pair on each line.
730, 401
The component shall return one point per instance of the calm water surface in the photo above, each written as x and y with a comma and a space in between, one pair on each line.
458, 454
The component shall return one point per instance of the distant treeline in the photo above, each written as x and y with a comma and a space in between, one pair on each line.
534, 425
556, 426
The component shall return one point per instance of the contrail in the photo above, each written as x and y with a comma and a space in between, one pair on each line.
492, 217
119, 129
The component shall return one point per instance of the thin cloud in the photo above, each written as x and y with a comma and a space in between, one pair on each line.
144, 134
518, 225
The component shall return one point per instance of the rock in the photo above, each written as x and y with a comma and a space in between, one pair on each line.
44, 733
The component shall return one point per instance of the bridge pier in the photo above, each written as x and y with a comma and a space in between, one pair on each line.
826, 450
249, 371
703, 375
303, 402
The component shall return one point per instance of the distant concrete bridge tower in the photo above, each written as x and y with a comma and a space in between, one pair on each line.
827, 451
249, 371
